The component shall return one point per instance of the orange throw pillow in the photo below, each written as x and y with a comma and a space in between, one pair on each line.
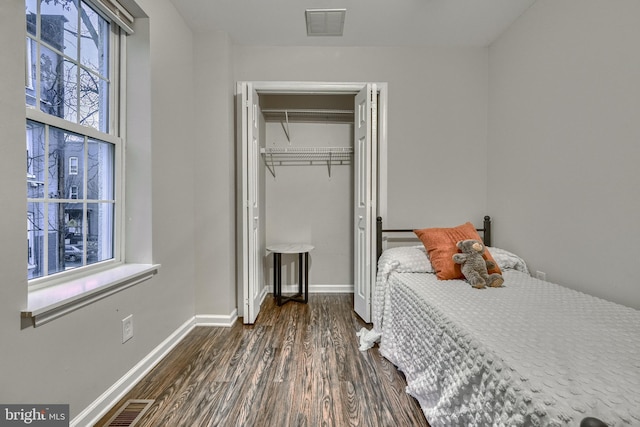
440, 244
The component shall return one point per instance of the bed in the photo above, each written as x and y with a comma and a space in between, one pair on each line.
529, 353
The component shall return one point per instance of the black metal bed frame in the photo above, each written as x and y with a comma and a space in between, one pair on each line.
486, 232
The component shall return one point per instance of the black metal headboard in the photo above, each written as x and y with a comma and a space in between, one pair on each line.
486, 232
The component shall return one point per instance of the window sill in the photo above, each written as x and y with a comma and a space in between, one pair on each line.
47, 304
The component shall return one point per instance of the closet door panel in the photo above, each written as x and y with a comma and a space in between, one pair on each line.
364, 193
252, 284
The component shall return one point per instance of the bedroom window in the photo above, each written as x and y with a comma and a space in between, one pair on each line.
73, 141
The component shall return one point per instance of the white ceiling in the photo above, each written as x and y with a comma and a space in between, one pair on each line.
367, 22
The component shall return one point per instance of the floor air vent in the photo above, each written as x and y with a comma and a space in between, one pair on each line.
130, 413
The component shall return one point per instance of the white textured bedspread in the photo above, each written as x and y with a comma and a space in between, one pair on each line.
530, 353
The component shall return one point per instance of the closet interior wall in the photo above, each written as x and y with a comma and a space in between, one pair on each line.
309, 197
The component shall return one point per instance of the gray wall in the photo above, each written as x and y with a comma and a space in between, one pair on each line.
564, 143
214, 171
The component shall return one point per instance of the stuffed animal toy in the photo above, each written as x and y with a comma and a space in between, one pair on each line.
474, 267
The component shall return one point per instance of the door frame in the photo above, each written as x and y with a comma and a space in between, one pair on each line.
329, 88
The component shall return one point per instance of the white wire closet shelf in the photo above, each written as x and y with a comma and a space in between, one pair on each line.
331, 115
302, 156
284, 116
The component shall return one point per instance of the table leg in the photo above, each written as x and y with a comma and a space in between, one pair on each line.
277, 277
306, 277
303, 279
300, 268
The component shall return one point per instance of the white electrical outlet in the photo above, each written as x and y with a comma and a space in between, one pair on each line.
541, 275
127, 328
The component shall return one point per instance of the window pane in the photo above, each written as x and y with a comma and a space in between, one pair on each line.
62, 147
35, 240
94, 52
52, 82
70, 94
74, 181
59, 26
35, 160
30, 72
100, 232
73, 235
56, 230
94, 98
66, 239
31, 10
100, 167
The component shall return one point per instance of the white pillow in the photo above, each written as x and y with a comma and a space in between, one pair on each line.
410, 259
414, 259
507, 260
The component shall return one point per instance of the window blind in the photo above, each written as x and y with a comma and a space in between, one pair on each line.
115, 11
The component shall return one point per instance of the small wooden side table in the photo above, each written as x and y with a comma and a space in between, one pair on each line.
302, 249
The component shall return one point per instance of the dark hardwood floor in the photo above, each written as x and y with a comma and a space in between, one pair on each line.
298, 365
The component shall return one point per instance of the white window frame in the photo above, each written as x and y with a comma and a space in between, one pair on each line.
51, 297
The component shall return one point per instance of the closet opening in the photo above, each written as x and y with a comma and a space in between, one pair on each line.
308, 186
307, 175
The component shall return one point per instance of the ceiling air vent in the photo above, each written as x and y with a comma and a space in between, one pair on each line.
325, 22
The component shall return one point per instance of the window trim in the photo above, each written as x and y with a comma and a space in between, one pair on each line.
51, 302
38, 116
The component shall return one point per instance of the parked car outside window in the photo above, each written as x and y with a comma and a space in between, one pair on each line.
72, 253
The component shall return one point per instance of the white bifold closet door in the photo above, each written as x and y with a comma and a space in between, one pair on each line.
364, 159
252, 286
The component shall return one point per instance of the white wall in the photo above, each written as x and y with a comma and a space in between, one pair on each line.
564, 143
437, 124
74, 359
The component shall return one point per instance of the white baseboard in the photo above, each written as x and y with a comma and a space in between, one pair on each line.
319, 289
331, 289
96, 410
216, 320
